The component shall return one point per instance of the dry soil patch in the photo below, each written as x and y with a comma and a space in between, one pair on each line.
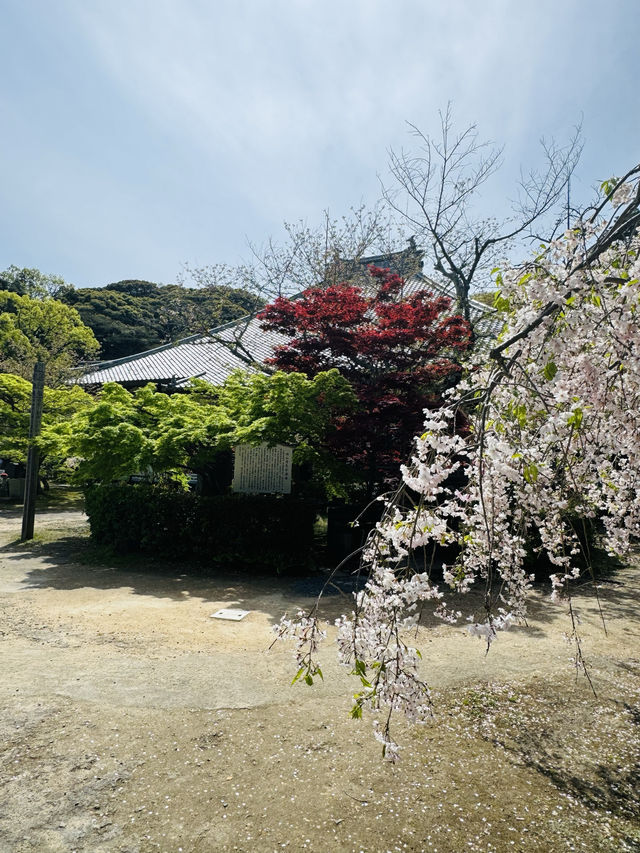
133, 722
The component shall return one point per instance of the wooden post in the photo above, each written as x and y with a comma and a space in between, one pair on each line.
33, 455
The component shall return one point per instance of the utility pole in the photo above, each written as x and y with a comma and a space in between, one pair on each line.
33, 455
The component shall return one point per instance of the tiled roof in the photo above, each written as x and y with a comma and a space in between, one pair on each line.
210, 357
197, 357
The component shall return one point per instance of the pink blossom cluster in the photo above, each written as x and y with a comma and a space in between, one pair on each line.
552, 444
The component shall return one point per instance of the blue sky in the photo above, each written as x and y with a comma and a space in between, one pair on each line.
138, 135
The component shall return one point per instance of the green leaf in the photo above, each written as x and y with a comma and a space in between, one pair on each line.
550, 370
519, 412
298, 674
308, 678
501, 303
360, 668
575, 420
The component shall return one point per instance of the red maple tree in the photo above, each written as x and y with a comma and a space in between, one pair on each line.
398, 350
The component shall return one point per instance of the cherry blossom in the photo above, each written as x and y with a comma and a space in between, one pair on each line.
551, 444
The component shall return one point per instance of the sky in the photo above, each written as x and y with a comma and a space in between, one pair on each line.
140, 135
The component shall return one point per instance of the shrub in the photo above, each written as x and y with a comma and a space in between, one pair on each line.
259, 530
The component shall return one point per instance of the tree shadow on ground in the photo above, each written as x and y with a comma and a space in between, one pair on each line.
586, 746
10, 510
612, 598
56, 499
597, 785
14, 511
73, 562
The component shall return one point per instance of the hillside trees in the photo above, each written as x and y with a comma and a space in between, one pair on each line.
119, 321
398, 350
42, 330
130, 316
31, 282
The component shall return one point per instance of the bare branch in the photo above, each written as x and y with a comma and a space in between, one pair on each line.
308, 256
436, 190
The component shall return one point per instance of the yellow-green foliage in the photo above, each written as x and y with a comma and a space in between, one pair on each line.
59, 407
148, 431
42, 330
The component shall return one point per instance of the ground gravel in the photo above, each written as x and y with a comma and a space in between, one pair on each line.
133, 722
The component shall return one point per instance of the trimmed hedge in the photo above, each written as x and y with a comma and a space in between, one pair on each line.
275, 532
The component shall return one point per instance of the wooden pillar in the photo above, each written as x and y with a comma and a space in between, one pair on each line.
33, 455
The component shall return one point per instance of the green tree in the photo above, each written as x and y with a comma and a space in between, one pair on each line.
148, 431
59, 407
131, 316
41, 330
28, 281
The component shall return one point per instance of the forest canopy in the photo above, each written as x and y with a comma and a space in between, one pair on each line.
132, 316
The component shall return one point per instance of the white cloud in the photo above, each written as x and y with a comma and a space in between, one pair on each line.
220, 119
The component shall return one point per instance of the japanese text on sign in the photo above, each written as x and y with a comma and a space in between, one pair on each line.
262, 469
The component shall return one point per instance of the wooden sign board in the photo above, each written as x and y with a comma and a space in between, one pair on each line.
262, 469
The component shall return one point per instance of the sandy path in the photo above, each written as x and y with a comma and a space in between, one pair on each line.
132, 721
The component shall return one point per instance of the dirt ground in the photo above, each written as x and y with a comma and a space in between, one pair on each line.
134, 722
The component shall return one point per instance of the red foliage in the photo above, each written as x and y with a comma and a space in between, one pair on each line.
399, 353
